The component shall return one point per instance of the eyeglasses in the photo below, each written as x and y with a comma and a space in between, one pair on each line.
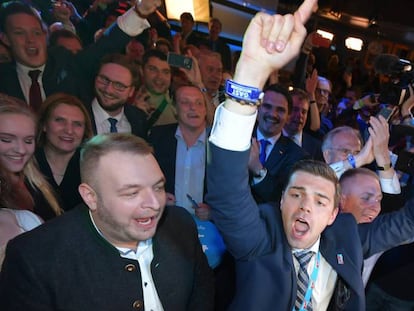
346, 151
323, 92
120, 87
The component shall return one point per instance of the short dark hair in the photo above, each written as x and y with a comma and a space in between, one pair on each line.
124, 61
62, 33
100, 145
187, 16
17, 7
280, 89
302, 94
317, 168
153, 53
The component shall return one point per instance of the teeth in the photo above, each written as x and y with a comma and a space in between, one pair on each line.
145, 222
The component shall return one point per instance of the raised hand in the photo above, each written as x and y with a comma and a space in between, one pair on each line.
146, 7
270, 42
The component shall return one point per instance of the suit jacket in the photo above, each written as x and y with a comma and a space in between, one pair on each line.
135, 116
66, 72
313, 146
284, 154
162, 138
266, 277
67, 191
80, 270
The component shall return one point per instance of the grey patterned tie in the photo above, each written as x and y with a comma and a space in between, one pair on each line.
303, 278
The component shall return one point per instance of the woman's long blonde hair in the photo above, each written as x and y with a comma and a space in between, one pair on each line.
11, 105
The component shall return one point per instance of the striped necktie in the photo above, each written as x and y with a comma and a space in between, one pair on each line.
303, 279
113, 122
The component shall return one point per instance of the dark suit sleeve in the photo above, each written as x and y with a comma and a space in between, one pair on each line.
388, 230
20, 288
114, 40
234, 210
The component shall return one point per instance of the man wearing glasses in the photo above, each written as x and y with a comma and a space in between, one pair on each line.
343, 149
114, 84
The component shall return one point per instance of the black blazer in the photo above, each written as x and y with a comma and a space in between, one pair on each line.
313, 146
80, 270
135, 116
284, 154
67, 192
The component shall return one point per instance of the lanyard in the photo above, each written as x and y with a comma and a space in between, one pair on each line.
311, 284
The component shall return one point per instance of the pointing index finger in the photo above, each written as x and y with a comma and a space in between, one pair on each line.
306, 9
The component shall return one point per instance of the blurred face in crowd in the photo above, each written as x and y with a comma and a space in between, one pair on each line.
113, 87
361, 196
343, 144
127, 200
191, 107
72, 44
272, 114
27, 39
211, 69
157, 75
214, 28
307, 207
65, 128
17, 141
298, 116
186, 25
323, 91
135, 50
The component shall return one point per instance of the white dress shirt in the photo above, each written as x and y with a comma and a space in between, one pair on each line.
101, 120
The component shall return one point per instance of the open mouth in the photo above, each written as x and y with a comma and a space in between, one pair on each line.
300, 227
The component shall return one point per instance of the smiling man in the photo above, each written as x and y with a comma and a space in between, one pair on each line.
114, 85
269, 174
122, 250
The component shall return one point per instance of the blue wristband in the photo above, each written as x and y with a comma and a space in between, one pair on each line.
243, 94
351, 160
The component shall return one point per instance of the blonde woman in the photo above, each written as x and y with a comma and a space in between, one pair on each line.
29, 189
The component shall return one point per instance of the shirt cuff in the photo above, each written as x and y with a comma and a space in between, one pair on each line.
391, 186
131, 23
338, 167
232, 131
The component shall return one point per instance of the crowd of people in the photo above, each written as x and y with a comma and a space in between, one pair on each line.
130, 183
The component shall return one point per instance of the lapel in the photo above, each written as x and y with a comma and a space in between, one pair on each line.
278, 153
11, 84
341, 262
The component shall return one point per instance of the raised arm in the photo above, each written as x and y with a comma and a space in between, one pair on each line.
269, 43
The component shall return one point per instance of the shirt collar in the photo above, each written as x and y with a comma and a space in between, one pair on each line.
101, 115
272, 139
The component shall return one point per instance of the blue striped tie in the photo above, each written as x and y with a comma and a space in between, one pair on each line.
303, 278
113, 122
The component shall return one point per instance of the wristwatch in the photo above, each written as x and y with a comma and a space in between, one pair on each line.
385, 167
